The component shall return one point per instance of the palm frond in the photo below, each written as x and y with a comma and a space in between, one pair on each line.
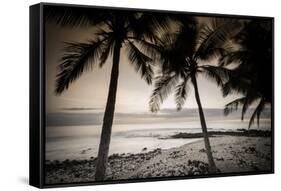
181, 93
234, 57
186, 40
107, 50
147, 25
256, 114
212, 37
103, 32
77, 58
162, 88
141, 62
233, 105
149, 48
171, 56
75, 16
249, 99
168, 39
216, 73
260, 108
236, 85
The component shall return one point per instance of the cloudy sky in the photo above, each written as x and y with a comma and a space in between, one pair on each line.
90, 90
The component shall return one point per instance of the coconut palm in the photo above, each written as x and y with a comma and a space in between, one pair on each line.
184, 56
252, 77
116, 30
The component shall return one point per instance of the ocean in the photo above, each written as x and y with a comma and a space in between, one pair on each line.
76, 135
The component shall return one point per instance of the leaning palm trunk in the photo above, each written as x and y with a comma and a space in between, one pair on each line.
108, 117
211, 162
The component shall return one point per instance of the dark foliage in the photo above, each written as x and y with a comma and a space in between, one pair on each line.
253, 76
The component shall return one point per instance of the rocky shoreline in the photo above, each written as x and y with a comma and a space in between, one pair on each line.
239, 132
119, 165
231, 154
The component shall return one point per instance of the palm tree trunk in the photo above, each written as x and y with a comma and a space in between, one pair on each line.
108, 117
211, 161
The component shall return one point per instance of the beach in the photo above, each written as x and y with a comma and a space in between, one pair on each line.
232, 153
80, 142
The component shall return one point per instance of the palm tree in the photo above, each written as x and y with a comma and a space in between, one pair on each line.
116, 30
253, 76
182, 56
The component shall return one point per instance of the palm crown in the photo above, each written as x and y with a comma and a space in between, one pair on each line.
186, 54
130, 30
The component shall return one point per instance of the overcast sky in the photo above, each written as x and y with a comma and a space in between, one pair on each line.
90, 90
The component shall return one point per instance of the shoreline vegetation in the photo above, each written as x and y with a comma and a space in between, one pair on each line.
233, 151
239, 132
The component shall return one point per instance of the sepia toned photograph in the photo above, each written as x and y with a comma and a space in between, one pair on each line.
133, 95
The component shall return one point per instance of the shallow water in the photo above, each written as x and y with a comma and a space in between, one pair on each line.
81, 142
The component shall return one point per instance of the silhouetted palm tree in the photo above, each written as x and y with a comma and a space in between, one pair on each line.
253, 76
116, 30
184, 55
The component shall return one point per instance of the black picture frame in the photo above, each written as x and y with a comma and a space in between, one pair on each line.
37, 97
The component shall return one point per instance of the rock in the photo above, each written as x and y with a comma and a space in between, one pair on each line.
171, 172
77, 175
202, 150
255, 167
144, 149
220, 159
148, 174
241, 162
111, 162
196, 173
196, 163
251, 150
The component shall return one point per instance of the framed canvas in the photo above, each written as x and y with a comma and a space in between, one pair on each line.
128, 95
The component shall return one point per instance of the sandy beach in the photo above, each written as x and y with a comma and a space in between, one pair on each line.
231, 154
